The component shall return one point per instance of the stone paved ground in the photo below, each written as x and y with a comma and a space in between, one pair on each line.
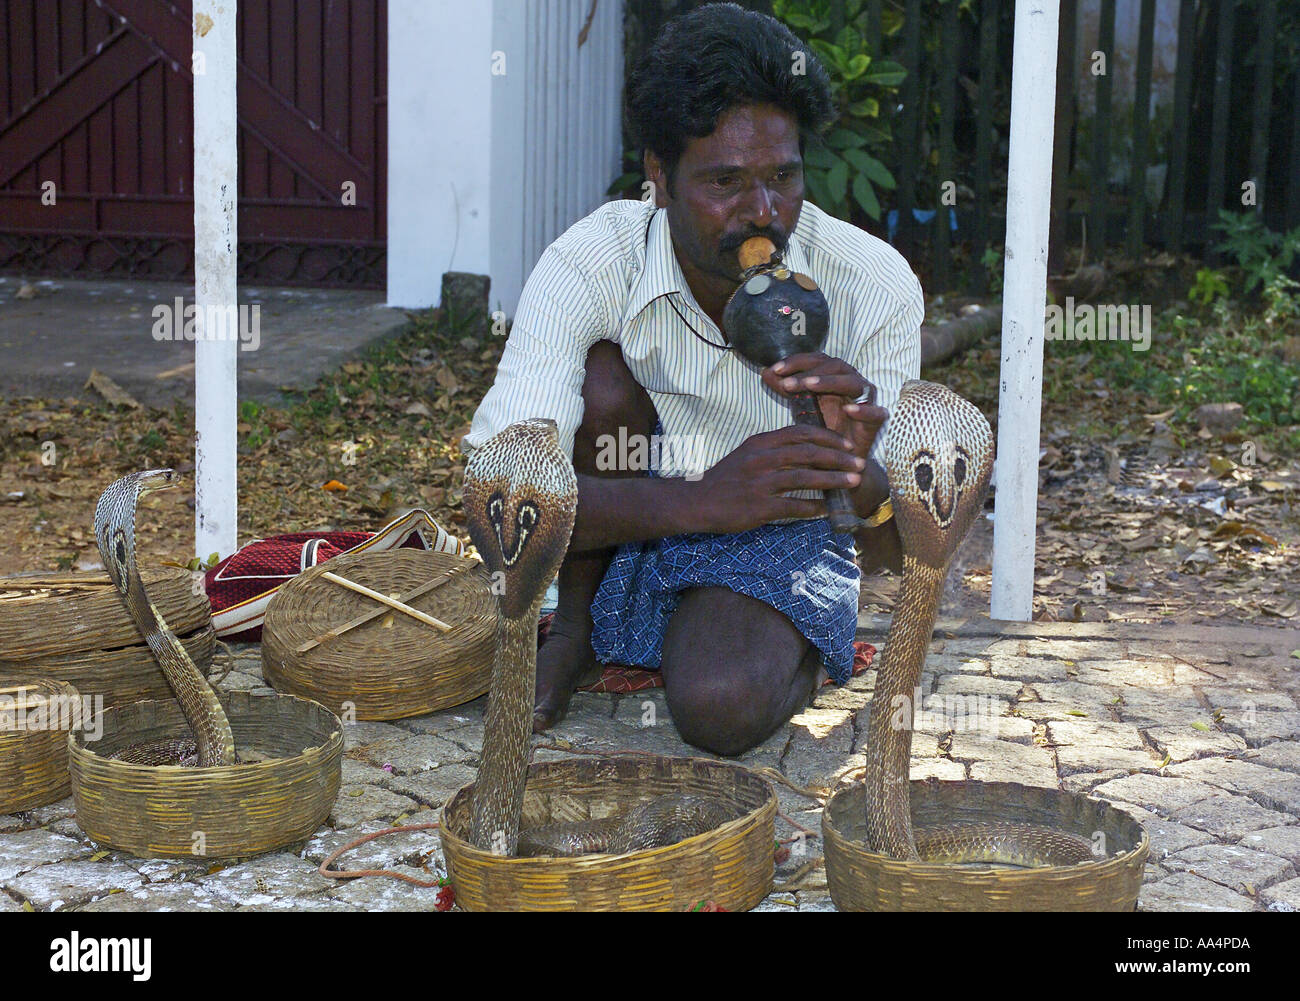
1192, 729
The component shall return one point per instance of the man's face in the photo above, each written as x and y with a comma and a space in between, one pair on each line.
743, 180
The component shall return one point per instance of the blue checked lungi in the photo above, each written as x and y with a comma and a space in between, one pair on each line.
801, 569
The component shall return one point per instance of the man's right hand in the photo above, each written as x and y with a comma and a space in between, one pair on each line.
746, 488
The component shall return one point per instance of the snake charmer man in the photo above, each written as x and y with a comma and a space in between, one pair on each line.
718, 567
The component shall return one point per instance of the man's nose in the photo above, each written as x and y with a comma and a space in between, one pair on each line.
760, 206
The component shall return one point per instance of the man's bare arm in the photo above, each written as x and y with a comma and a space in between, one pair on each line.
633, 509
745, 489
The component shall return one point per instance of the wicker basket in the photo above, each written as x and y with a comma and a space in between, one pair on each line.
861, 880
730, 865
74, 628
129, 674
35, 717
240, 810
393, 665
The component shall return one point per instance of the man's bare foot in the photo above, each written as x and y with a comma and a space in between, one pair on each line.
565, 662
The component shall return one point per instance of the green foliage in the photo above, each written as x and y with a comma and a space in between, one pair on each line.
632, 178
992, 259
842, 173
253, 414
1281, 305
1262, 254
1230, 356
1209, 286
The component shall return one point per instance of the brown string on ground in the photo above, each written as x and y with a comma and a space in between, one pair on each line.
325, 870
776, 776
584, 753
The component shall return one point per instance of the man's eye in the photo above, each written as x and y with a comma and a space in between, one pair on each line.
724, 182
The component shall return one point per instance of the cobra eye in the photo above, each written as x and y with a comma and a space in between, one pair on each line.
924, 476
959, 470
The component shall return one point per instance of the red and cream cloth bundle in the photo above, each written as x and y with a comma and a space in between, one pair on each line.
241, 586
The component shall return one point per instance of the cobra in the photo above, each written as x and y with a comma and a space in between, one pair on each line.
939, 458
520, 498
212, 742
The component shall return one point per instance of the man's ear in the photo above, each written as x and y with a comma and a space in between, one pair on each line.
655, 176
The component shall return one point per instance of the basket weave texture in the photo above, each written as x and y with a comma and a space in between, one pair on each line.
35, 717
861, 880
730, 865
241, 810
393, 666
74, 628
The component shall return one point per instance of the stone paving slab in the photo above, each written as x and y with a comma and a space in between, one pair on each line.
53, 341
1186, 892
1240, 869
1281, 841
1229, 816
1193, 735
1282, 897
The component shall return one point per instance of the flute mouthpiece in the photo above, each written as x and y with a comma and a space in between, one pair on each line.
755, 250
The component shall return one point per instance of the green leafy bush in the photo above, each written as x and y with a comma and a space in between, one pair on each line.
1209, 286
842, 173
1230, 357
1262, 254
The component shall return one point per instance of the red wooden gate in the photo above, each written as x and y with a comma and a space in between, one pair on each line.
96, 134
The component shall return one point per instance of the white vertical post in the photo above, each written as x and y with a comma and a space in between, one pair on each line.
216, 346
1024, 300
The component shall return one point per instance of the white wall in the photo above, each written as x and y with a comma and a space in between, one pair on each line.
485, 170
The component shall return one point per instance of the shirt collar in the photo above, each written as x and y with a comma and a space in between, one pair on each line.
661, 274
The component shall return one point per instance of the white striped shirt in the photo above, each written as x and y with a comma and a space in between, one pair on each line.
604, 280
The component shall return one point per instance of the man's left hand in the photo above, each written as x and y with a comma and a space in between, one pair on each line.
836, 384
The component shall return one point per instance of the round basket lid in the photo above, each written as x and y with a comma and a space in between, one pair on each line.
44, 614
23, 700
328, 642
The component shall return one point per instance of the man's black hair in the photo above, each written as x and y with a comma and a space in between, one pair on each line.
715, 58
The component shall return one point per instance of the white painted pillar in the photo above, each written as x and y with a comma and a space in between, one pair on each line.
216, 347
1024, 301
503, 131
440, 89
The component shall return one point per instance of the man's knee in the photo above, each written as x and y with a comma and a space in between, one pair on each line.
611, 399
720, 715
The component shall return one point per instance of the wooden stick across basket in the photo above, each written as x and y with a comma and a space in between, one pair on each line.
391, 666
730, 865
